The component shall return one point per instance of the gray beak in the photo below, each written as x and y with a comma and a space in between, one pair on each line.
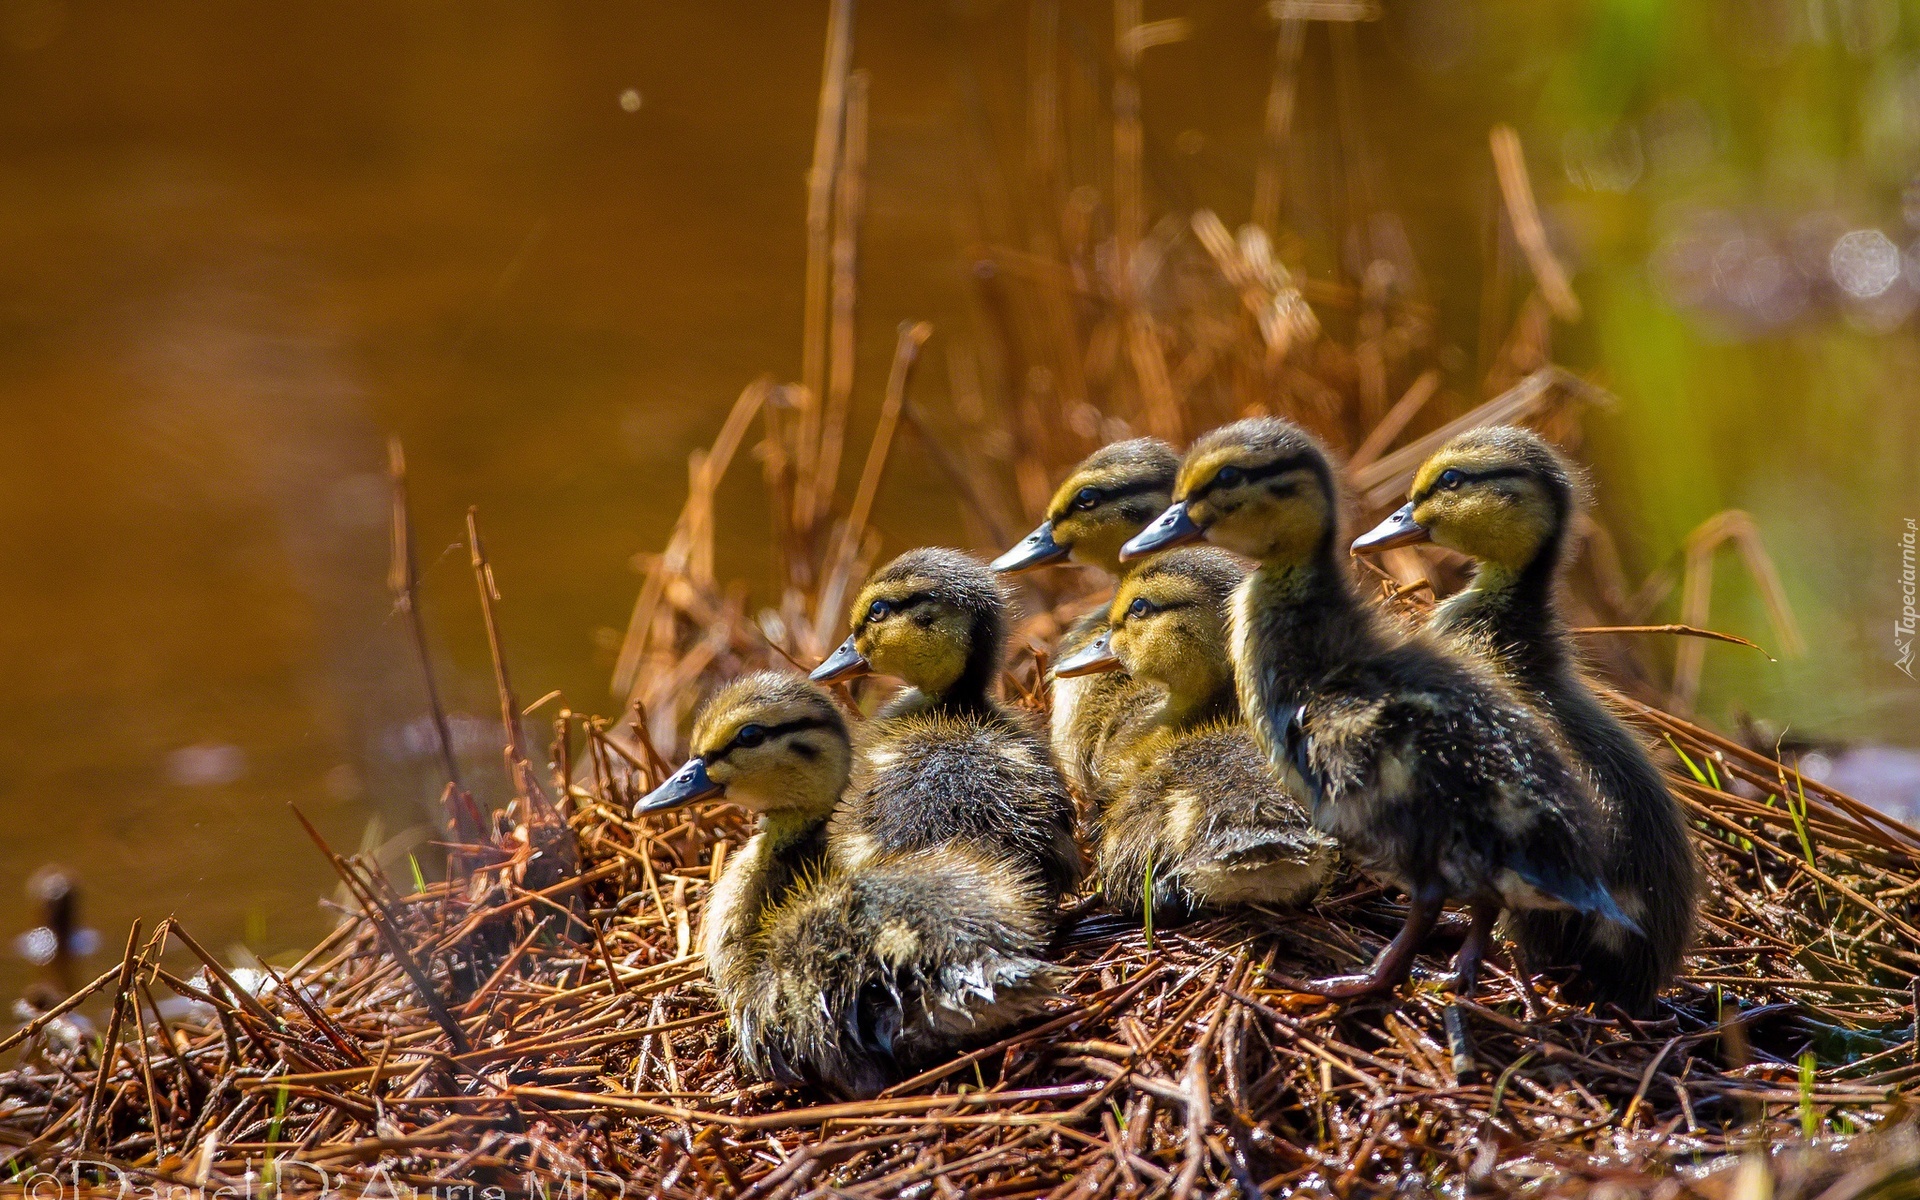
1037, 549
1172, 528
683, 787
1400, 529
844, 663
1094, 658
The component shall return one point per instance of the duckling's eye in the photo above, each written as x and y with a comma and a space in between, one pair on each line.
879, 610
1086, 498
1452, 478
750, 736
1228, 476
1139, 607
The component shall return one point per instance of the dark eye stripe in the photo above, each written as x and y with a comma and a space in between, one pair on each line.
1109, 494
896, 607
768, 733
1475, 477
1154, 610
1256, 474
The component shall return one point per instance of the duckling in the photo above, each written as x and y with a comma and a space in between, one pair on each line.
1193, 802
777, 746
1106, 500
1506, 498
844, 979
944, 762
1431, 775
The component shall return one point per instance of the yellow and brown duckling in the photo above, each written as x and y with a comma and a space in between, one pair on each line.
1429, 772
944, 762
1505, 498
1194, 806
1107, 499
844, 980
777, 746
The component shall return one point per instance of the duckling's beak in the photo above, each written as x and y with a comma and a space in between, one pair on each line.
684, 786
1093, 658
1172, 528
844, 663
1400, 529
1037, 549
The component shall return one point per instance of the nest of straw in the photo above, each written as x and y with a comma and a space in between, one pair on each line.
537, 1022
485, 1033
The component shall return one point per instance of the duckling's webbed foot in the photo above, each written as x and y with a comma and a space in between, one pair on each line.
1389, 970
1473, 952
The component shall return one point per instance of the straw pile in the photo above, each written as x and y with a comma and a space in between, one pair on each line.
538, 1022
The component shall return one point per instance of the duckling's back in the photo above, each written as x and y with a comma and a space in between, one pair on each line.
1650, 864
1649, 857
882, 971
1202, 808
1430, 771
978, 779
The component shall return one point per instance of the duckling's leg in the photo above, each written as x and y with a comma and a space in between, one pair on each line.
1466, 965
1396, 961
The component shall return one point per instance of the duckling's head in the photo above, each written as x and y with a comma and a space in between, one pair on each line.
1108, 498
1168, 625
1499, 494
772, 743
1262, 487
934, 618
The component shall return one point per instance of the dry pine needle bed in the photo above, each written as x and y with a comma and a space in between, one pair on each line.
588, 1052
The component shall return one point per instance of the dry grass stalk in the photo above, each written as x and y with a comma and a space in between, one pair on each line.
821, 182
1510, 163
848, 201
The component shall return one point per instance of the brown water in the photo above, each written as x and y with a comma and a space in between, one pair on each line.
240, 244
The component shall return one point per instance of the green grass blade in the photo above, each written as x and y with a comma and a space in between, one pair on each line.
1809, 1120
1698, 776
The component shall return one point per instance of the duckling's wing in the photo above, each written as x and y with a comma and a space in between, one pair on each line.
1239, 845
959, 938
1544, 817
986, 781
1204, 809
1579, 890
1294, 747
873, 972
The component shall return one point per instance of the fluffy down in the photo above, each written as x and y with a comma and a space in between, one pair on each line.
876, 975
979, 778
1207, 815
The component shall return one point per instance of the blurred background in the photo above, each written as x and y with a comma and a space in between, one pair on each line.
546, 246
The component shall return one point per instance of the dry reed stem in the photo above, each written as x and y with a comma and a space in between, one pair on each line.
1510, 165
1269, 179
848, 203
821, 180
